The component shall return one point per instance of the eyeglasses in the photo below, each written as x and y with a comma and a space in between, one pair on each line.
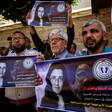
60, 79
55, 39
19, 38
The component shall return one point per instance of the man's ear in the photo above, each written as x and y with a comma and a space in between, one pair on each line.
105, 36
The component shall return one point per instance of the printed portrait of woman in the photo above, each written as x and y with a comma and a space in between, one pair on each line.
58, 92
4, 73
41, 17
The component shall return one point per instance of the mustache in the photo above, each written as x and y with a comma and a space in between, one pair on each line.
90, 39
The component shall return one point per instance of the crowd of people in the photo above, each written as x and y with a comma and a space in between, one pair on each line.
59, 45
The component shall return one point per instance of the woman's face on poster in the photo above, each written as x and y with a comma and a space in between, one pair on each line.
56, 79
2, 69
41, 12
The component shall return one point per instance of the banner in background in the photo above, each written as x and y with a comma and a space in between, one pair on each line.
49, 14
17, 71
71, 84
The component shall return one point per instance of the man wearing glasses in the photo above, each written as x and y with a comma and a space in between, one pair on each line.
20, 99
58, 39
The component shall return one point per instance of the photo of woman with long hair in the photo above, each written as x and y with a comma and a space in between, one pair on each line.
40, 17
58, 93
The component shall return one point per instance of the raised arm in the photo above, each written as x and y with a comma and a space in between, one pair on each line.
69, 8
35, 37
70, 28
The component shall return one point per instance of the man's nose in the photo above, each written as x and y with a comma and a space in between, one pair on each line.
53, 40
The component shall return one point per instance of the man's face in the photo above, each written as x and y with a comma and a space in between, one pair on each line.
40, 12
56, 79
57, 47
18, 42
72, 50
10, 44
92, 36
2, 69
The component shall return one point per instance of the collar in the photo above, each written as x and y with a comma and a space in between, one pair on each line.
61, 56
21, 54
104, 51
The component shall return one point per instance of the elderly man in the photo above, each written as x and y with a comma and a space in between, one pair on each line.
58, 42
44, 47
58, 39
94, 37
20, 99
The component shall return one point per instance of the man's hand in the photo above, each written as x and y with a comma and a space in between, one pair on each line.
69, 8
40, 57
28, 16
38, 80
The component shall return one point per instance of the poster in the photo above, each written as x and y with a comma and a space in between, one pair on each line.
48, 13
17, 71
72, 84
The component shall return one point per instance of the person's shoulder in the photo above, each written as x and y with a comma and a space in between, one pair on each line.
107, 50
77, 53
11, 54
70, 55
33, 52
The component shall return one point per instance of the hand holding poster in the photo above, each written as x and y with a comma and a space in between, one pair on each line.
72, 84
48, 14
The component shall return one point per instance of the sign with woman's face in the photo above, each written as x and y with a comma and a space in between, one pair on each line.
17, 71
49, 13
56, 79
2, 69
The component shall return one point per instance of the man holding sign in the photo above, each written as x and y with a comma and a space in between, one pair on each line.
20, 99
45, 47
94, 37
58, 42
